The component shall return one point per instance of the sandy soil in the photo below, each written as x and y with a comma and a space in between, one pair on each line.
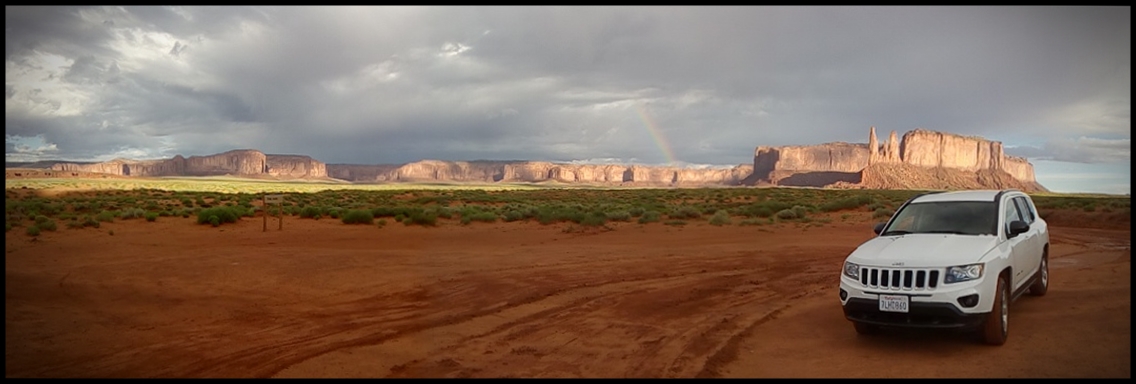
324, 299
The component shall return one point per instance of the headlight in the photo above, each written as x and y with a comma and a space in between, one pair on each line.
852, 270
962, 273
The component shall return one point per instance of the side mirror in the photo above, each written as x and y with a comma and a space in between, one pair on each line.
879, 227
1017, 227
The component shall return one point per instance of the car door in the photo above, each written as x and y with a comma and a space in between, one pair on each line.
1032, 241
1018, 252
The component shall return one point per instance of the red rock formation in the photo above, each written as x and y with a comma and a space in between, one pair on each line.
873, 147
830, 157
362, 172
528, 171
936, 153
537, 171
295, 166
236, 162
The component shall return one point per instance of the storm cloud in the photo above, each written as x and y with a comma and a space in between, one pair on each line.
649, 85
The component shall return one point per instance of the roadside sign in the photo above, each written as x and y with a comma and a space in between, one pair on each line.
273, 199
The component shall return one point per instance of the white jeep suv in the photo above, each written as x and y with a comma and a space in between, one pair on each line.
948, 260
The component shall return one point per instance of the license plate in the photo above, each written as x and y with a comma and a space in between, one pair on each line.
894, 303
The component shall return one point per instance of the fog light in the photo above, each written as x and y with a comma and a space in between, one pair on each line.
843, 294
969, 301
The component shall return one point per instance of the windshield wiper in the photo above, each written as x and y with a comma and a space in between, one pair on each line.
896, 232
951, 232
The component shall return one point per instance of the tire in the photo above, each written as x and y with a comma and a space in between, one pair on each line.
1041, 286
996, 327
865, 329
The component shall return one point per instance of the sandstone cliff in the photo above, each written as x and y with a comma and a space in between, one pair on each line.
773, 164
242, 162
295, 166
538, 171
922, 159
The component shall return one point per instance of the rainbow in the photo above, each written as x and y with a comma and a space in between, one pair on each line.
657, 134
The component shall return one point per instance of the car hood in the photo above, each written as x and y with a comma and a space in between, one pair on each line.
923, 250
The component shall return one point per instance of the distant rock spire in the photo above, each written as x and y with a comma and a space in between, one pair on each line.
873, 146
891, 149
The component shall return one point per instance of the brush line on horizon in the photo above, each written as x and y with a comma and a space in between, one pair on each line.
657, 134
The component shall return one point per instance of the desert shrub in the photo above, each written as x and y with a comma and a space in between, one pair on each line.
801, 211
448, 213
513, 215
381, 223
222, 213
876, 206
649, 217
33, 231
619, 216
74, 224
675, 222
426, 219
106, 216
882, 213
48, 225
152, 216
557, 213
757, 222
309, 212
786, 214
721, 217
593, 219
488, 217
131, 213
637, 211
399, 217
90, 222
852, 202
685, 212
40, 219
7, 226
358, 216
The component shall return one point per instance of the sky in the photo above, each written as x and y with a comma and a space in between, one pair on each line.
652, 85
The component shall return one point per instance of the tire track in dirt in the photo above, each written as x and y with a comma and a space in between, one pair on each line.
683, 353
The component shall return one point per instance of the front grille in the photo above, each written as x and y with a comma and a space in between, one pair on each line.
899, 279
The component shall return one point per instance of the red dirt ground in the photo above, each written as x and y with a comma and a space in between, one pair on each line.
325, 299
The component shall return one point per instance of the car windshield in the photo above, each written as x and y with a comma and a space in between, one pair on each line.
957, 217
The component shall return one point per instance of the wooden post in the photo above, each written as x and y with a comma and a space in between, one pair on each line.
279, 201
264, 207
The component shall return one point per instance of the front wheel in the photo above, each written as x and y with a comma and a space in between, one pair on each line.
996, 327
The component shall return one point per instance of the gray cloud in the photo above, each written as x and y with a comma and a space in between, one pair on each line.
701, 85
1079, 150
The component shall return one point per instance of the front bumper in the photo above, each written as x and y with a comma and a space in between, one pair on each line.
937, 307
919, 315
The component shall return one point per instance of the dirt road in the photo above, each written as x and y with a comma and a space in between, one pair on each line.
324, 299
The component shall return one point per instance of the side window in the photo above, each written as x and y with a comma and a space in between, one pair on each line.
1009, 213
1024, 209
